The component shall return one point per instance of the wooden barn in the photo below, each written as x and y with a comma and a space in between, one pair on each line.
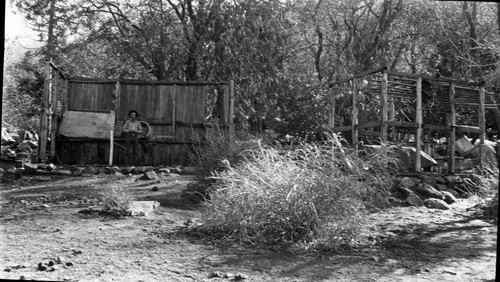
426, 113
82, 118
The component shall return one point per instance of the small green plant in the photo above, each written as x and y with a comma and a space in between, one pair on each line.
116, 201
316, 196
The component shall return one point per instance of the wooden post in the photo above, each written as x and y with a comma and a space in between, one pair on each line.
384, 98
118, 90
392, 117
418, 133
174, 107
111, 146
64, 98
354, 115
451, 139
42, 132
331, 112
231, 110
53, 111
482, 125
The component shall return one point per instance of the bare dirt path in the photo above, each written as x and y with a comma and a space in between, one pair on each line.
40, 222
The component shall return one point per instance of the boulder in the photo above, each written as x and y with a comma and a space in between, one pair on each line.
448, 197
164, 170
414, 200
406, 158
427, 190
77, 171
129, 169
463, 145
6, 137
90, 170
30, 168
143, 208
431, 180
143, 169
433, 203
409, 182
150, 175
441, 187
488, 154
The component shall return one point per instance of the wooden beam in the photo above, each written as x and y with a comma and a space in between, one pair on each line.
42, 132
53, 111
369, 124
418, 132
231, 110
343, 128
482, 124
331, 112
64, 98
174, 102
452, 137
354, 114
358, 75
384, 107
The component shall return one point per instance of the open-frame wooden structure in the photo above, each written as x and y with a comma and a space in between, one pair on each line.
175, 113
374, 106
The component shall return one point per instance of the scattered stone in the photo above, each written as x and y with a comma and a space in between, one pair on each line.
240, 276
42, 267
409, 182
69, 264
42, 178
414, 200
62, 172
22, 155
155, 188
30, 168
42, 171
113, 170
51, 263
434, 203
453, 178
215, 274
23, 277
90, 170
12, 169
229, 275
393, 202
448, 197
128, 169
51, 167
427, 190
441, 187
78, 171
149, 175
7, 269
164, 170
431, 180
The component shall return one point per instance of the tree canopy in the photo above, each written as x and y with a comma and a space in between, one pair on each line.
281, 54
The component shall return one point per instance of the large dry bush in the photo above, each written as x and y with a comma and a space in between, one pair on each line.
317, 195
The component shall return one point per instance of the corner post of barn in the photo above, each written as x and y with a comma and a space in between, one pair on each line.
231, 110
53, 112
384, 108
482, 124
331, 112
44, 122
453, 130
354, 123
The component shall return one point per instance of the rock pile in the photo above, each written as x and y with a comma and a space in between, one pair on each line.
20, 146
436, 192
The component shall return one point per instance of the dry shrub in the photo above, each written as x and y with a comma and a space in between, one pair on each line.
317, 195
116, 201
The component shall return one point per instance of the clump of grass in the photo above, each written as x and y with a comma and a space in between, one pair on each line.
116, 201
316, 195
214, 150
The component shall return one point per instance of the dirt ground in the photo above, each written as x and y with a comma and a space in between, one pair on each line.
40, 222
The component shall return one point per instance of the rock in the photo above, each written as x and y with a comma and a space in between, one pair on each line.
433, 203
7, 269
463, 145
164, 170
12, 169
51, 167
51, 263
215, 274
23, 155
69, 264
42, 267
150, 175
441, 187
30, 168
113, 170
129, 169
143, 169
61, 172
414, 200
25, 147
143, 208
409, 182
77, 171
406, 158
155, 188
431, 180
453, 179
6, 137
448, 197
427, 190
190, 170
239, 277
90, 170
42, 171
393, 202
406, 192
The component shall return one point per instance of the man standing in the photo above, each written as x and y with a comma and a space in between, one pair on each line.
131, 129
